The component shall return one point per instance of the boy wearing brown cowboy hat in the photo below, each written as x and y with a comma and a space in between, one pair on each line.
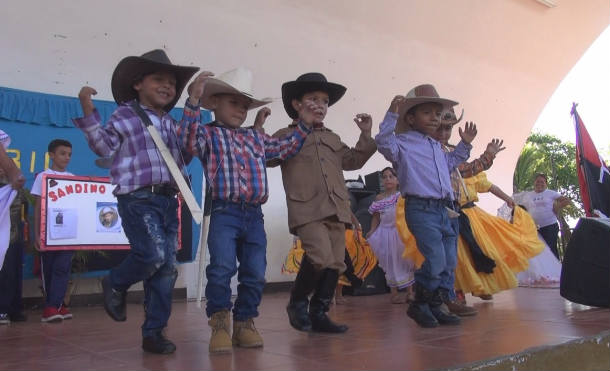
234, 162
145, 190
423, 172
317, 199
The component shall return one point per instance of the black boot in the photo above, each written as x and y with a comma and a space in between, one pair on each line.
419, 310
114, 301
299, 296
320, 303
439, 308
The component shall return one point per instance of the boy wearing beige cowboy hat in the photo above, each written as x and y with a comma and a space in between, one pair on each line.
423, 173
147, 85
464, 170
317, 198
234, 159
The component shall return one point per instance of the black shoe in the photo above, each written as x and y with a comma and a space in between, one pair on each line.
158, 344
298, 316
18, 317
114, 301
322, 323
444, 316
421, 314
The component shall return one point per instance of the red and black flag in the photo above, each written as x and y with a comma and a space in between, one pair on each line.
593, 173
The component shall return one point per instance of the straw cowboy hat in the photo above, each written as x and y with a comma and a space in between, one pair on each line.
448, 116
419, 95
107, 210
131, 69
306, 83
236, 81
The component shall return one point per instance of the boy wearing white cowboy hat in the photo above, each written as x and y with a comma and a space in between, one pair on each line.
317, 198
234, 162
145, 189
423, 173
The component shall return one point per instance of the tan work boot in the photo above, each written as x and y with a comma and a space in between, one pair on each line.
245, 334
460, 309
220, 341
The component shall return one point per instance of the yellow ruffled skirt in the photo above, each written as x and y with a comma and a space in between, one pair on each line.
363, 258
510, 245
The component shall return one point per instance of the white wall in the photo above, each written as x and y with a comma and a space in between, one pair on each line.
501, 59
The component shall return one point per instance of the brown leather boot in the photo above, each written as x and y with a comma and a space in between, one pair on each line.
245, 334
460, 309
220, 341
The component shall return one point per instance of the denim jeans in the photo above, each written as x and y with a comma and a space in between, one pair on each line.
11, 280
56, 269
549, 233
448, 281
236, 233
150, 222
436, 240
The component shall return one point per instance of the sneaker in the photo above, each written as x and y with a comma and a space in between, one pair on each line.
65, 313
4, 319
51, 314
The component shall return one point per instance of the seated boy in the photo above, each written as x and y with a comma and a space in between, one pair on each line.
234, 162
423, 173
145, 189
56, 265
317, 198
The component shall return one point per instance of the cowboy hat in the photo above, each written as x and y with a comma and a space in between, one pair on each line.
448, 116
237, 81
306, 83
107, 210
419, 95
131, 69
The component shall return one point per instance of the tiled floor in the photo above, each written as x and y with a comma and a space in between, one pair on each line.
380, 337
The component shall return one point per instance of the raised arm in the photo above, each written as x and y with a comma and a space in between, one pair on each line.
287, 146
386, 138
484, 162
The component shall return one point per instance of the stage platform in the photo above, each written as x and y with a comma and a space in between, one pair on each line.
537, 322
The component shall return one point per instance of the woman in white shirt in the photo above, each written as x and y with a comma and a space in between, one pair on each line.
543, 204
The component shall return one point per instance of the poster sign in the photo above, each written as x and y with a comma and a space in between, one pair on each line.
81, 213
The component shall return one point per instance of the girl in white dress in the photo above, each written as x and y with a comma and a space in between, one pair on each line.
385, 241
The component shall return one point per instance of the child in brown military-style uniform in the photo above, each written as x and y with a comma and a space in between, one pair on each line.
317, 199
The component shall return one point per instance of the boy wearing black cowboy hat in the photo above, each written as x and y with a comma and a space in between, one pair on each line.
234, 161
145, 190
317, 199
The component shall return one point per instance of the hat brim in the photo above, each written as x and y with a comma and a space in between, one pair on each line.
130, 69
412, 102
295, 89
214, 87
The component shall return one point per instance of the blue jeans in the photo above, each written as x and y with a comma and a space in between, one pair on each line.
236, 233
448, 281
150, 222
56, 269
436, 240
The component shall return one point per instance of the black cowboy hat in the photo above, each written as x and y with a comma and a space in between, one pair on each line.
306, 83
131, 69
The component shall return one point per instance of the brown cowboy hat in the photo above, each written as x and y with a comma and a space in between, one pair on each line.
419, 95
131, 69
306, 83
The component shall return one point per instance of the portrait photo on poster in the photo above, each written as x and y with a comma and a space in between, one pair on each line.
62, 223
108, 219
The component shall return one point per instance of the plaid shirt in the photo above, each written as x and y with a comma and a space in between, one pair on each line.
234, 159
137, 162
467, 170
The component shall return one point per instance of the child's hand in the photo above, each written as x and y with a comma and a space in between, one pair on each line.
364, 122
261, 116
495, 146
85, 99
469, 132
195, 89
397, 102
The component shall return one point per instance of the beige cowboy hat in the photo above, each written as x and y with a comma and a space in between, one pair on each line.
237, 81
131, 69
448, 116
419, 95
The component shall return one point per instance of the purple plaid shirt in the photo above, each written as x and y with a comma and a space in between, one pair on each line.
136, 161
